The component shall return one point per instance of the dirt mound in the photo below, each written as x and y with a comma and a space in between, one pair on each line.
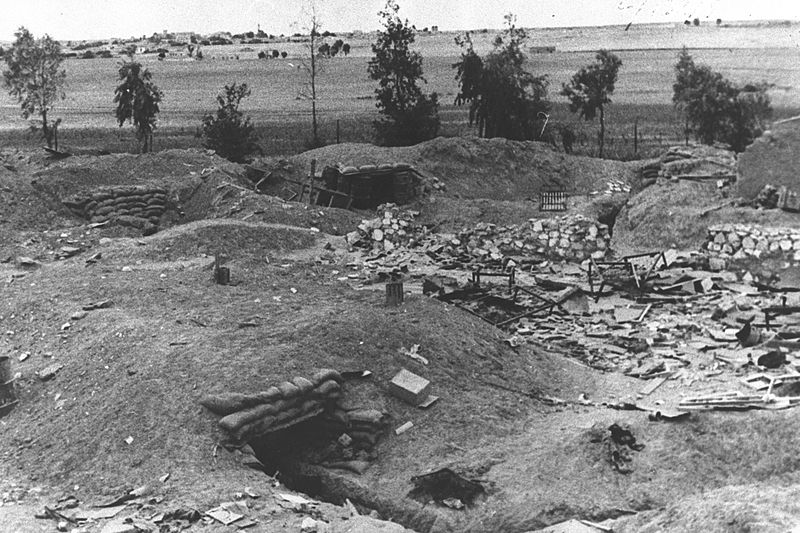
773, 159
472, 167
137, 369
677, 214
86, 173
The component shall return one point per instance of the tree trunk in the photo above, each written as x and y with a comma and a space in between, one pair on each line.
48, 136
314, 85
602, 130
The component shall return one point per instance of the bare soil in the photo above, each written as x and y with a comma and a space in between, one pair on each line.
122, 410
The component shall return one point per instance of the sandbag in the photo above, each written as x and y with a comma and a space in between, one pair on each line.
327, 389
288, 389
272, 393
254, 428
229, 402
303, 384
236, 420
362, 417
325, 374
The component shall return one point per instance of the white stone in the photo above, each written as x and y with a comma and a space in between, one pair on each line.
785, 245
748, 243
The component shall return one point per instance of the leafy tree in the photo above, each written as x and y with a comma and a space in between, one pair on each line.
137, 99
505, 100
346, 49
409, 116
229, 132
35, 78
715, 108
590, 89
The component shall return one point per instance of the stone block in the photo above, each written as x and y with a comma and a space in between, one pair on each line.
748, 243
785, 245
716, 264
409, 387
719, 238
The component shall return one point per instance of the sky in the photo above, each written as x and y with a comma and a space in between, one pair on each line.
98, 19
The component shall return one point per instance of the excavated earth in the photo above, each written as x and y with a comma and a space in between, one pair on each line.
114, 337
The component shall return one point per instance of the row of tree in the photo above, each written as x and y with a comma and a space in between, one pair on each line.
504, 98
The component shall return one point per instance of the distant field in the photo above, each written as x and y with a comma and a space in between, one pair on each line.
345, 92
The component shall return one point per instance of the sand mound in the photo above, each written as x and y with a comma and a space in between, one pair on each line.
773, 159
472, 167
677, 214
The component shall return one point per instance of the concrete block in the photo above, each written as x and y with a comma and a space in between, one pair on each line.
409, 387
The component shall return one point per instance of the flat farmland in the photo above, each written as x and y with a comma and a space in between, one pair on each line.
280, 106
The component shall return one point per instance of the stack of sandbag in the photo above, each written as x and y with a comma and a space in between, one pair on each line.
363, 426
136, 206
250, 415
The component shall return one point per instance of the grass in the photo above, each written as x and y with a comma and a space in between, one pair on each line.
658, 126
281, 112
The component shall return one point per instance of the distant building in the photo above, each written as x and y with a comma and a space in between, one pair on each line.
185, 36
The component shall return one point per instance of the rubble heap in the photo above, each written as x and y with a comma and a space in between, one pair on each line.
738, 241
572, 237
391, 229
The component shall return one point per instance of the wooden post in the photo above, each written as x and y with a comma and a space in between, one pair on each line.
8, 398
337, 131
394, 293
222, 275
311, 180
636, 135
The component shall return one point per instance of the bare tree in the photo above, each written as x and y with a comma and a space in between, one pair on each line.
311, 62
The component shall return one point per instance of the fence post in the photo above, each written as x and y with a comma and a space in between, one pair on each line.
337, 131
636, 136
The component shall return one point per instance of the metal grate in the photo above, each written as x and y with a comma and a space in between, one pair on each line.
553, 200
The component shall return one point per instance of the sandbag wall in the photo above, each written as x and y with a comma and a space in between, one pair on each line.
137, 206
731, 242
249, 416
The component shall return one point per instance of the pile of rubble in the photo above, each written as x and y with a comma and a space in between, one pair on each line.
738, 241
392, 228
771, 197
571, 237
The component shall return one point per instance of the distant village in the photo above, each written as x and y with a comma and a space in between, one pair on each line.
191, 45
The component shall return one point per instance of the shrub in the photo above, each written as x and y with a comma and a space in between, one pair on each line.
228, 132
505, 99
716, 109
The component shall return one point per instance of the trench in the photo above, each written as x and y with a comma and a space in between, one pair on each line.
300, 456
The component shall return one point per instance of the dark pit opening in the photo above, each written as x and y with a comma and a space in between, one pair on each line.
291, 453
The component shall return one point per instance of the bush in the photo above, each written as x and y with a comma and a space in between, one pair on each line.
716, 109
229, 133
505, 99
